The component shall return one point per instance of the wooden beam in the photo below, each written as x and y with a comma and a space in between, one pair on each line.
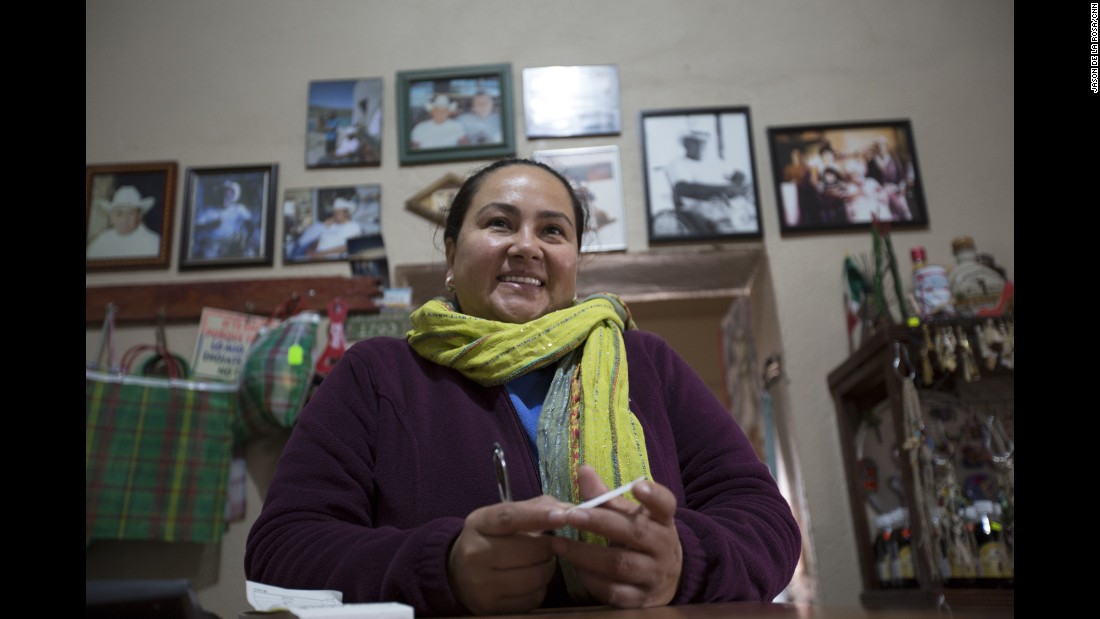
183, 302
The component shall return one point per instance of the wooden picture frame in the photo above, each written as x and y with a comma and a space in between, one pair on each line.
571, 101
437, 117
138, 237
842, 176
700, 175
432, 202
595, 174
344, 124
229, 217
319, 222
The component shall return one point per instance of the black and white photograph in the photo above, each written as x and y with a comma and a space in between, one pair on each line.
320, 222
700, 174
344, 127
571, 101
595, 175
846, 176
229, 217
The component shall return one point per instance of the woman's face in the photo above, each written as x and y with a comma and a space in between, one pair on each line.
516, 257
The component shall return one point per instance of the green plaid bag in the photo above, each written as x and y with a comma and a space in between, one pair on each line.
156, 459
277, 376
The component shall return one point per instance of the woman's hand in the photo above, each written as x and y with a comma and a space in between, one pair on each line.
502, 562
641, 565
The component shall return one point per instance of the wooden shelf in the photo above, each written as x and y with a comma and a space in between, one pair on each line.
183, 302
868, 381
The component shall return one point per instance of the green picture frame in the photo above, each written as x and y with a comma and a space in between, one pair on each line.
438, 115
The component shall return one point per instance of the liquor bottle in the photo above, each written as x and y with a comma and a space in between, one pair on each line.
962, 552
994, 569
974, 286
940, 547
907, 569
931, 288
886, 550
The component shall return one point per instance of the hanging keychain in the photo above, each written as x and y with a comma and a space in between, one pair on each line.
946, 349
925, 351
1008, 353
107, 343
337, 343
969, 366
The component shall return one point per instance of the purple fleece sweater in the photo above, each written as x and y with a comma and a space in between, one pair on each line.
393, 451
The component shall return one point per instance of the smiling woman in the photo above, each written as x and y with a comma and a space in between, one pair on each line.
512, 256
580, 399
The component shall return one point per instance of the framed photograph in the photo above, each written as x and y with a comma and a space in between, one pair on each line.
432, 202
700, 174
573, 101
128, 215
319, 222
844, 176
229, 217
344, 127
454, 114
367, 255
595, 174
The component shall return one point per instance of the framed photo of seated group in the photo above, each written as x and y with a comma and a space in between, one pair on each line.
844, 176
455, 113
700, 175
129, 209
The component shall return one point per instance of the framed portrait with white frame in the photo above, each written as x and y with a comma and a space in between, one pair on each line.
700, 175
596, 175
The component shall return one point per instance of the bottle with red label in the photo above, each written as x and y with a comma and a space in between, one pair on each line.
931, 287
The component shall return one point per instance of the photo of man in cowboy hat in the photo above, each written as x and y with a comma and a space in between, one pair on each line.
127, 235
440, 130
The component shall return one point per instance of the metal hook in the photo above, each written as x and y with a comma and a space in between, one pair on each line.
993, 430
902, 354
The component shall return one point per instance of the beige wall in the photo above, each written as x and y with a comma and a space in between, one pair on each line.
211, 82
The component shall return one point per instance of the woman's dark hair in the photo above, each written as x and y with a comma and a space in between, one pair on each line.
456, 213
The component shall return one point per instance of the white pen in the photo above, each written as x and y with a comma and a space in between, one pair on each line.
607, 496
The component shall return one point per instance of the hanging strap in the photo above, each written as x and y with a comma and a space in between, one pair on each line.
107, 342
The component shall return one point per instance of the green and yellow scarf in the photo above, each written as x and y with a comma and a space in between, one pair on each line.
586, 416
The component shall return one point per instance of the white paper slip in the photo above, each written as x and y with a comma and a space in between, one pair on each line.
267, 597
607, 496
377, 610
320, 604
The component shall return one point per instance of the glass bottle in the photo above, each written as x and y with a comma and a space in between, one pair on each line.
931, 288
994, 569
974, 286
885, 550
907, 569
940, 535
962, 553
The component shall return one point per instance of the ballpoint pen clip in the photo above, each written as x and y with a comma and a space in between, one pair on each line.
502, 473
